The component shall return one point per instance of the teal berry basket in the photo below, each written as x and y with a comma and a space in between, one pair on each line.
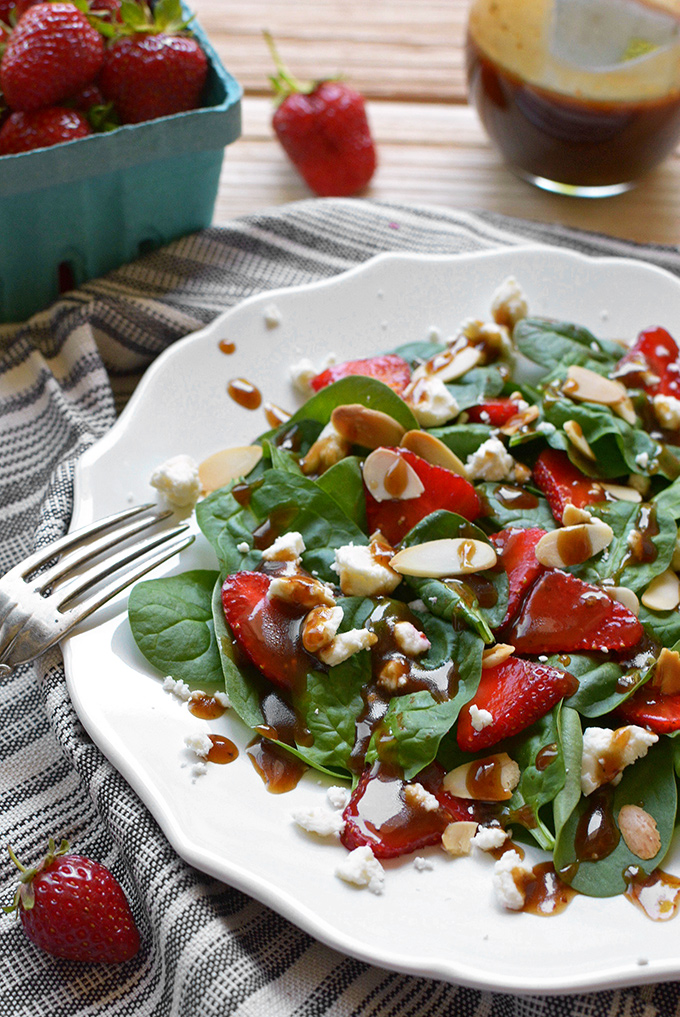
78, 210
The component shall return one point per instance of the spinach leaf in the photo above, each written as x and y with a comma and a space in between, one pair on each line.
619, 562
172, 624
455, 597
477, 385
603, 683
664, 626
650, 783
539, 755
418, 352
463, 439
344, 482
570, 738
553, 343
354, 389
509, 506
413, 726
244, 684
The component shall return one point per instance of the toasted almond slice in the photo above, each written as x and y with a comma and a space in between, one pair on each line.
520, 420
666, 677
433, 451
663, 593
622, 493
574, 433
389, 477
450, 364
626, 411
589, 387
572, 545
495, 655
639, 831
572, 515
491, 779
624, 596
360, 425
457, 837
220, 469
451, 556
640, 483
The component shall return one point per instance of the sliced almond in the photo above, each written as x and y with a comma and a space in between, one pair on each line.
626, 411
640, 483
520, 420
360, 425
492, 779
451, 556
622, 493
389, 477
433, 451
666, 677
589, 387
450, 364
639, 831
663, 593
457, 837
221, 468
495, 655
624, 596
571, 545
573, 515
574, 433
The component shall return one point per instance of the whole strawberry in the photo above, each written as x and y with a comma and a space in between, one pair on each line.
73, 907
41, 128
324, 131
149, 75
52, 53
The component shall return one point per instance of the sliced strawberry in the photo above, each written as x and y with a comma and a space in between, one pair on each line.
516, 693
389, 814
443, 490
517, 552
495, 412
562, 614
562, 483
649, 707
267, 631
652, 364
391, 369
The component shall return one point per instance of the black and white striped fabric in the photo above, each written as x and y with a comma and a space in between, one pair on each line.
208, 950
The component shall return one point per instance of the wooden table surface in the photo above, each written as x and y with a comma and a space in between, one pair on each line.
406, 57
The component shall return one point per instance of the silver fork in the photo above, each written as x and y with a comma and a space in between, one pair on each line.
38, 608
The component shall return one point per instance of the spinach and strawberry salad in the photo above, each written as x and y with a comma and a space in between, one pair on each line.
449, 583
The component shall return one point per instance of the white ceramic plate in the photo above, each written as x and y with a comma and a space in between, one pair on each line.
442, 922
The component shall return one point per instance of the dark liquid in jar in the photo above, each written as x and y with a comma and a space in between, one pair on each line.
573, 141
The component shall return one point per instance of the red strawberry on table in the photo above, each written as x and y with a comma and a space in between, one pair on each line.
40, 128
267, 631
391, 369
443, 490
517, 552
324, 131
73, 907
562, 614
516, 693
561, 482
52, 53
148, 75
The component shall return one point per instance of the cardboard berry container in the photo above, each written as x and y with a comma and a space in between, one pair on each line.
78, 210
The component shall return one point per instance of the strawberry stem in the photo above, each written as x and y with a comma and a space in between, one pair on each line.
284, 82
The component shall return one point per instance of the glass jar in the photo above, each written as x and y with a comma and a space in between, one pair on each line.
580, 96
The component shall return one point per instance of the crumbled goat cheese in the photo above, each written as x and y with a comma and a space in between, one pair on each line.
508, 893
606, 753
642, 460
480, 718
361, 574
491, 461
177, 687
287, 547
488, 838
345, 645
304, 370
418, 797
198, 770
431, 402
223, 699
545, 427
243, 547
338, 796
200, 744
362, 868
272, 316
177, 478
323, 822
410, 640
509, 303
421, 864
417, 605
667, 410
